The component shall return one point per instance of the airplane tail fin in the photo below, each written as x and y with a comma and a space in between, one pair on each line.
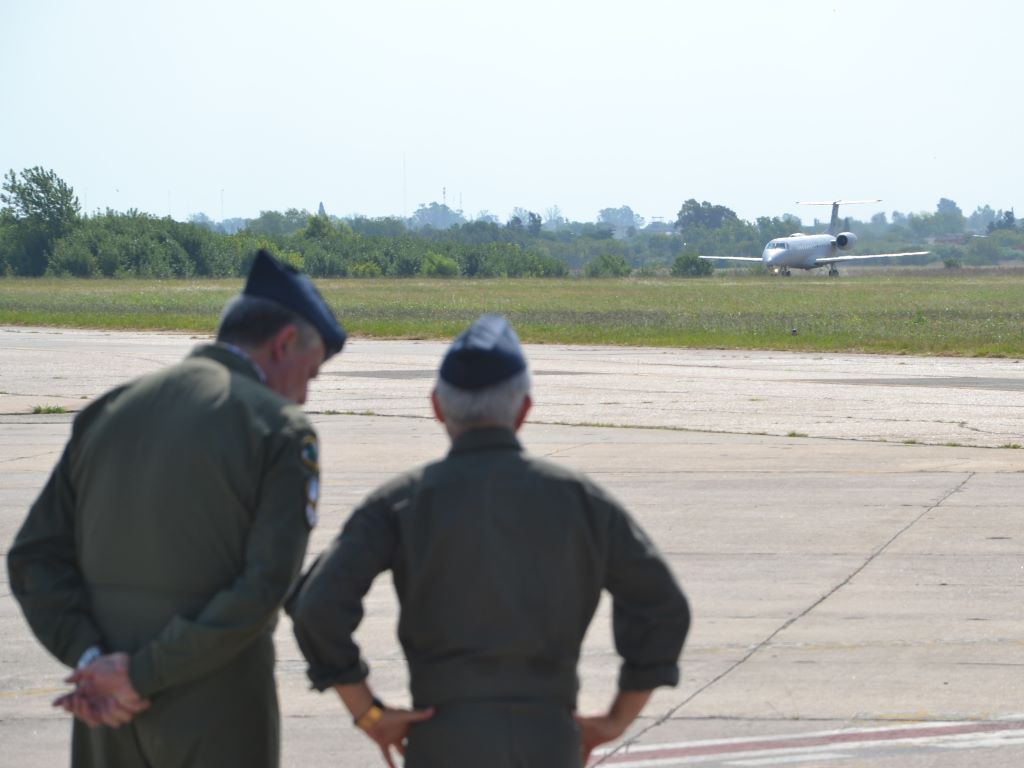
833, 225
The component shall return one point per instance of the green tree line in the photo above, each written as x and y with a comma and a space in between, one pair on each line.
44, 232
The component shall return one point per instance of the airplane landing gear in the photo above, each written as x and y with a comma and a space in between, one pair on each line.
832, 271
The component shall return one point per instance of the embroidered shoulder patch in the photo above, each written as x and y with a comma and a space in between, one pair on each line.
310, 453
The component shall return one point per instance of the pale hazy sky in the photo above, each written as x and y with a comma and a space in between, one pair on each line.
232, 107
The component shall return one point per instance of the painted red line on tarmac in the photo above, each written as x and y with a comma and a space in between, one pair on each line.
854, 737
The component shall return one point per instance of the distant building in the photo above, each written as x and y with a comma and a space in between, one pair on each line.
660, 227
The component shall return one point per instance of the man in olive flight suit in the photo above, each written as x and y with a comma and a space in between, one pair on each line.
157, 556
499, 560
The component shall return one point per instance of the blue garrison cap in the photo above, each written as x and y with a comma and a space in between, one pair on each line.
487, 353
282, 283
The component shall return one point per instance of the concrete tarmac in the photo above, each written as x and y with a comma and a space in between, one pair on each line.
847, 528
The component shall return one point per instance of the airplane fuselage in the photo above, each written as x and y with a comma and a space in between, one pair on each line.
798, 252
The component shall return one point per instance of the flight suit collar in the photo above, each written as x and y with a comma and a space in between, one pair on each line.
486, 439
230, 358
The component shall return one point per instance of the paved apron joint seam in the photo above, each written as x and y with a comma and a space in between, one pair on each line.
785, 625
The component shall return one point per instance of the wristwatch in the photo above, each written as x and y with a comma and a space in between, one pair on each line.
89, 655
371, 717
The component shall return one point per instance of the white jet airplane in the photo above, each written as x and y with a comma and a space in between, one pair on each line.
800, 251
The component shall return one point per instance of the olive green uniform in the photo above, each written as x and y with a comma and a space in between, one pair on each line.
499, 560
171, 529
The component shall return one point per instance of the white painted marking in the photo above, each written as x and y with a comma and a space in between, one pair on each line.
667, 761
791, 759
989, 740
638, 748
832, 745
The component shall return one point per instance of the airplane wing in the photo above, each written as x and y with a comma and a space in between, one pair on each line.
834, 259
759, 260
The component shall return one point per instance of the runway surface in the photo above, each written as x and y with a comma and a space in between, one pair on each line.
937, 401
847, 527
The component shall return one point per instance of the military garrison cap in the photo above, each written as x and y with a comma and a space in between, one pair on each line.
487, 353
273, 280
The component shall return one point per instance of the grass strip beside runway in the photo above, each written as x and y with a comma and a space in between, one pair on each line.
974, 313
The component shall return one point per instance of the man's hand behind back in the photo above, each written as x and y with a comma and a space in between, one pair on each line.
392, 730
600, 729
103, 694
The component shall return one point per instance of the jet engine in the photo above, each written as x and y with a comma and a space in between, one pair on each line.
846, 240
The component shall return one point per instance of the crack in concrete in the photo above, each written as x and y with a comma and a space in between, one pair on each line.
785, 625
690, 430
22, 458
576, 446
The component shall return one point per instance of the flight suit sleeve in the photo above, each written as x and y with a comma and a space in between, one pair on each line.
189, 648
44, 574
328, 607
650, 614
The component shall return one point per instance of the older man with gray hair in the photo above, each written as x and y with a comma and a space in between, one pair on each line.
499, 560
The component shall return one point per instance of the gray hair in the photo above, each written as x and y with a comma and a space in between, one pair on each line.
248, 321
498, 405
